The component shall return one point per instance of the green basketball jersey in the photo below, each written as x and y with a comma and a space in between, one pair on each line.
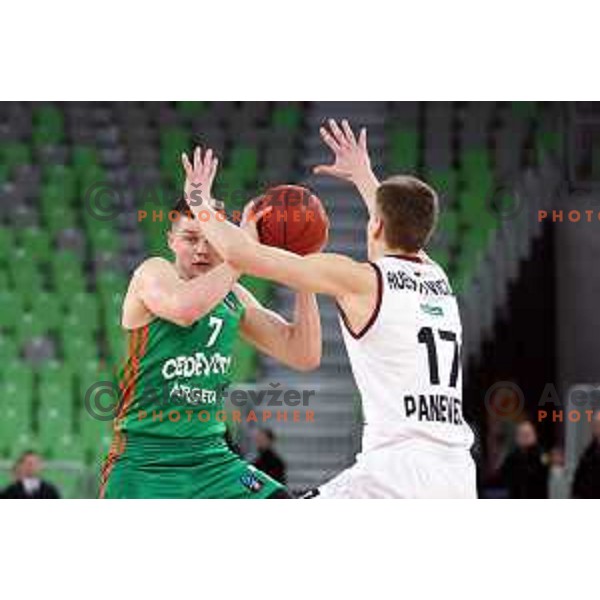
171, 384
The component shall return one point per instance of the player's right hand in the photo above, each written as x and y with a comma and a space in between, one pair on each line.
351, 157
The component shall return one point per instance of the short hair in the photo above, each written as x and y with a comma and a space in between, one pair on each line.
182, 208
409, 210
269, 433
24, 455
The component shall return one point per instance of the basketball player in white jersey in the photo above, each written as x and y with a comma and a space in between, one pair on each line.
401, 328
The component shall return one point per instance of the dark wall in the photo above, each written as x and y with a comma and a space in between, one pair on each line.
523, 346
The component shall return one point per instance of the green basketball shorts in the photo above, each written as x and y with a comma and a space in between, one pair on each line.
144, 467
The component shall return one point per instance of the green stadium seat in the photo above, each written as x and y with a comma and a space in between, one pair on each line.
109, 282
116, 342
286, 117
85, 325
68, 482
67, 276
68, 447
229, 187
174, 141
78, 349
12, 308
69, 285
53, 196
95, 435
13, 154
449, 226
29, 326
244, 162
65, 261
472, 205
48, 116
476, 172
16, 402
21, 374
89, 373
526, 110
46, 135
445, 183
56, 375
549, 142
47, 307
8, 351
4, 173
190, 108
441, 256
103, 237
60, 183
90, 177
21, 441
84, 157
28, 283
85, 306
6, 244
58, 218
21, 259
25, 276
55, 415
5, 282
404, 150
35, 242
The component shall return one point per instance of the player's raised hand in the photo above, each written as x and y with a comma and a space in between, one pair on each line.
199, 176
351, 157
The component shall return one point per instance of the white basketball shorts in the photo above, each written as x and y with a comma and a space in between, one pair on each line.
406, 470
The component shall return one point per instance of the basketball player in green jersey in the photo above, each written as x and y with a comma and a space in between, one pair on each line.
182, 319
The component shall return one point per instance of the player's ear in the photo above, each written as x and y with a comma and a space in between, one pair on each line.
171, 238
376, 226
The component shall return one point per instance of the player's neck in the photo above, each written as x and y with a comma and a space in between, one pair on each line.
398, 252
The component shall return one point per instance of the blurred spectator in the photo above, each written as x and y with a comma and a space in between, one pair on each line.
524, 471
558, 480
28, 483
586, 483
268, 461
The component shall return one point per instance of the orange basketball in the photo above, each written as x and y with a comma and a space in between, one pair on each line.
296, 222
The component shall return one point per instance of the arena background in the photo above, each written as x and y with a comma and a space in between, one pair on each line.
73, 177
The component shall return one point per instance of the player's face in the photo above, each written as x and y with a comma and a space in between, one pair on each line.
262, 440
526, 436
30, 467
193, 254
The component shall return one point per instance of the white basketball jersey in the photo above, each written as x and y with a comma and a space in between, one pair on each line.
407, 359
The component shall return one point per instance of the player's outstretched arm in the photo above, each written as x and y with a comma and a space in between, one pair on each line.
331, 274
164, 294
351, 159
296, 344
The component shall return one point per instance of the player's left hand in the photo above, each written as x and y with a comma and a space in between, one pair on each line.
351, 157
199, 176
251, 216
